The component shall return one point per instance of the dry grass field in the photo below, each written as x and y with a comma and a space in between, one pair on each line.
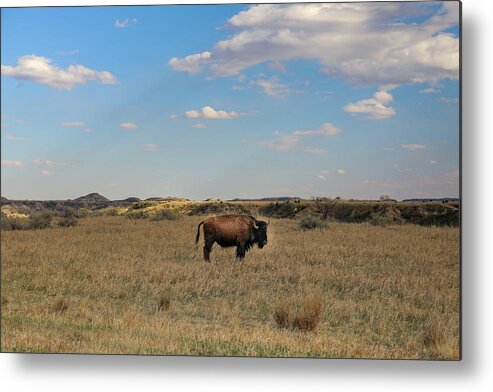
116, 285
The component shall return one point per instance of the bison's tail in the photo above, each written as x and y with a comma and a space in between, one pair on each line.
198, 232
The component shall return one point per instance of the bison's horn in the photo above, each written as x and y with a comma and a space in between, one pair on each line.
268, 222
255, 224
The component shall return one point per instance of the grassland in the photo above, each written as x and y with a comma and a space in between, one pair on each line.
116, 285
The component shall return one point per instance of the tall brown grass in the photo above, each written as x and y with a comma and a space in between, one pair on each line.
379, 292
305, 318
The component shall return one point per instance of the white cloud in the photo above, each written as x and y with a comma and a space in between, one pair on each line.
19, 138
46, 162
368, 44
47, 173
121, 24
15, 164
88, 130
432, 162
374, 108
437, 185
73, 124
315, 150
273, 87
284, 143
448, 100
413, 147
211, 114
327, 129
199, 126
192, 63
41, 70
429, 90
323, 175
292, 142
150, 147
128, 125
8, 120
341, 172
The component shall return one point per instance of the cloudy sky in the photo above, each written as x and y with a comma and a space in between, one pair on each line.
351, 100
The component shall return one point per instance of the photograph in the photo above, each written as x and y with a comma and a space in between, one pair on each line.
232, 180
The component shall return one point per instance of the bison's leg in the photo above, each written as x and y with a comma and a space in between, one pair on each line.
207, 252
208, 248
240, 251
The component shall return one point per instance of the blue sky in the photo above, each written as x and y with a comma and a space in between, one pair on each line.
350, 100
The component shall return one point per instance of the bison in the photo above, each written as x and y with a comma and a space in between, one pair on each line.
242, 231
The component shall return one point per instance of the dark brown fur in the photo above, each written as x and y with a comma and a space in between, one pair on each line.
242, 231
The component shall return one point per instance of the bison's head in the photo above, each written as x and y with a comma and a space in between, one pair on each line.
260, 233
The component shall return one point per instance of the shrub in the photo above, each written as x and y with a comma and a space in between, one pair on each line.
218, 208
310, 314
432, 337
137, 215
111, 212
11, 223
68, 221
75, 212
141, 204
310, 222
165, 215
164, 303
377, 219
325, 206
40, 220
282, 316
306, 318
60, 305
281, 210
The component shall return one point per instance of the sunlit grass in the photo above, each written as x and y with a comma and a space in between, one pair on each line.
115, 285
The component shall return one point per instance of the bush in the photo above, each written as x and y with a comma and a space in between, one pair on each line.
68, 221
11, 223
164, 303
281, 210
40, 220
310, 314
165, 215
60, 305
282, 316
137, 215
75, 212
306, 318
219, 208
377, 219
141, 204
310, 222
111, 212
432, 337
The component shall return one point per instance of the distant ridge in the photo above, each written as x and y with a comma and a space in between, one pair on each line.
280, 198
169, 198
129, 200
443, 199
92, 198
96, 201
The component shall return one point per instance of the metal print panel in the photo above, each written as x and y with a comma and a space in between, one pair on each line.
273, 180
